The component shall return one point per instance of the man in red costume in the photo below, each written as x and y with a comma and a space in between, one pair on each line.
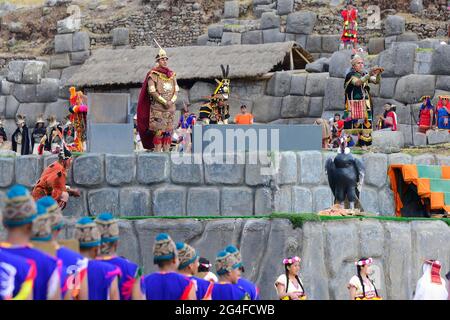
156, 106
349, 35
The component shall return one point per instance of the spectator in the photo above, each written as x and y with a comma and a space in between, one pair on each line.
326, 134
244, 117
389, 118
4, 143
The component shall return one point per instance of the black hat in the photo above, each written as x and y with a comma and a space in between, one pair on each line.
204, 265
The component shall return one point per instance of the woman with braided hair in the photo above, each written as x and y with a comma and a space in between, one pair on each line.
361, 286
288, 285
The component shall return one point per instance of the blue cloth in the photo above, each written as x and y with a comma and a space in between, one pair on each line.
442, 115
100, 277
167, 286
202, 287
129, 273
228, 291
15, 269
249, 287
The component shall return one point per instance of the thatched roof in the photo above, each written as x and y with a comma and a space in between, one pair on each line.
129, 66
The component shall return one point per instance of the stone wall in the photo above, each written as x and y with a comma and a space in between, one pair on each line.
328, 249
152, 184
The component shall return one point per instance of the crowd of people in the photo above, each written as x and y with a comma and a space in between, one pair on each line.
35, 264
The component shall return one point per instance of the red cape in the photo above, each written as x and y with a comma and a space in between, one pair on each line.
143, 116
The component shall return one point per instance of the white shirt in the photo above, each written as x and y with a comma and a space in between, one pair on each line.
294, 287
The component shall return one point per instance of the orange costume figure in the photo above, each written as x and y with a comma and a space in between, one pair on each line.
78, 111
349, 35
53, 181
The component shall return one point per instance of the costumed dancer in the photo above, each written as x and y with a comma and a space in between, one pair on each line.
388, 121
350, 32
74, 284
166, 284
185, 126
20, 139
426, 114
247, 285
345, 175
78, 112
17, 276
326, 133
204, 270
53, 138
102, 276
18, 215
4, 143
53, 180
38, 133
227, 267
358, 102
188, 267
137, 138
288, 285
443, 113
156, 106
130, 281
361, 287
431, 286
69, 132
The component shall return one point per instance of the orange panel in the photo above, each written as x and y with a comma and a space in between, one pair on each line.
445, 172
423, 187
437, 200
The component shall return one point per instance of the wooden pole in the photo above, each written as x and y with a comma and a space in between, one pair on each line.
301, 55
291, 56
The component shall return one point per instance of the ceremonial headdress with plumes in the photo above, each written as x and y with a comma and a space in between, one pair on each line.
41, 229
164, 248
20, 118
87, 234
53, 210
40, 119
20, 208
186, 254
108, 227
161, 54
226, 262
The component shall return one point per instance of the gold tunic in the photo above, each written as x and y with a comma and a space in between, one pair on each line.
161, 117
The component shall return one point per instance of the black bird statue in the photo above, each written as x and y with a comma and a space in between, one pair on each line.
345, 176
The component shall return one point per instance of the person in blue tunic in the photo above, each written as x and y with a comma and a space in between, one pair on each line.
227, 268
130, 281
247, 285
102, 276
18, 215
166, 283
189, 262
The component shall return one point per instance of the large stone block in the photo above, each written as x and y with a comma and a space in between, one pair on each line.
408, 37
398, 60
376, 169
273, 35
400, 158
301, 22
442, 160
66, 74
322, 198
285, 7
388, 140
24, 92
387, 87
6, 172
371, 238
334, 94
410, 88
79, 57
254, 171
59, 61
279, 85
315, 86
267, 109
33, 72
28, 170
437, 136
63, 43
314, 43
152, 168
169, 201
394, 25
231, 9
420, 139
103, 200
68, 25
263, 201
81, 41
6, 87
88, 170
330, 43
340, 64
294, 106
442, 83
47, 90
121, 36
128, 244
58, 108
301, 200
298, 84
185, 173
2, 106
318, 66
120, 169
77, 206
12, 105
134, 202
309, 167
222, 173
287, 173
270, 20
376, 45
230, 38
315, 107
282, 199
236, 201
203, 201
252, 37
15, 70
426, 159
200, 91
440, 63
215, 31
386, 202
369, 199
31, 110
202, 40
